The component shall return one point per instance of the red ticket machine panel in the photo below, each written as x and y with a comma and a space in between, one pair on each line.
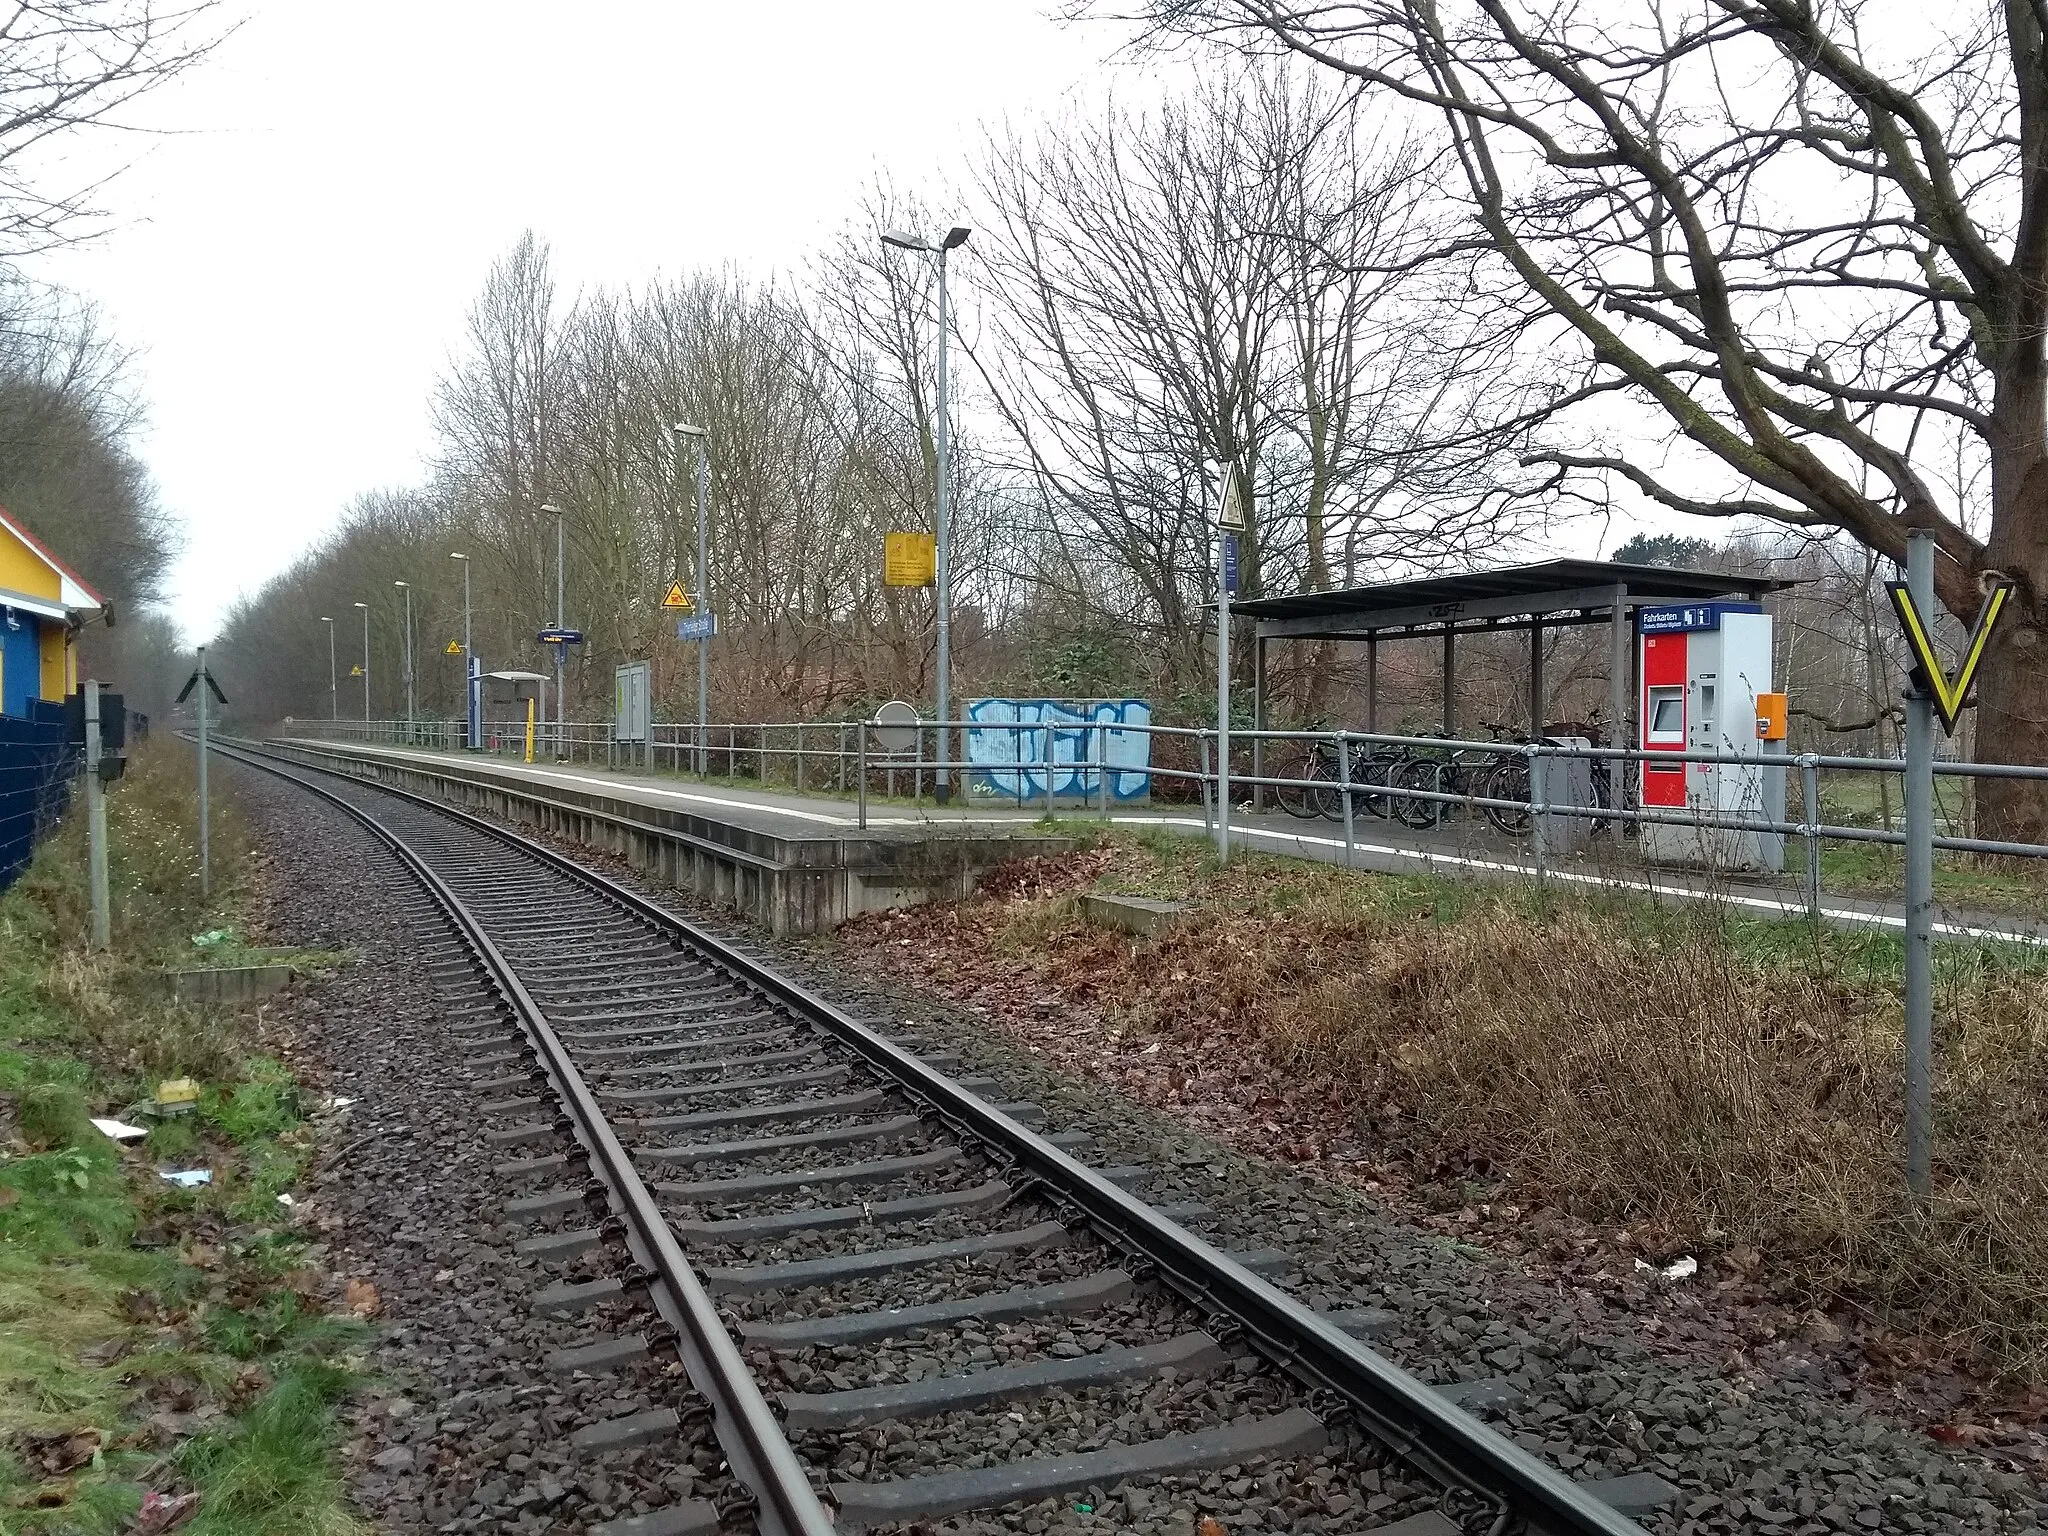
1662, 714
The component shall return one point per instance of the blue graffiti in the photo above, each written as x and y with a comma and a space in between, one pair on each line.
1016, 738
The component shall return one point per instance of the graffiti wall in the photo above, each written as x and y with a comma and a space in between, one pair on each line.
1010, 742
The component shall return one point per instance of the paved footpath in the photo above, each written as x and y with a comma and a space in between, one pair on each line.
1376, 844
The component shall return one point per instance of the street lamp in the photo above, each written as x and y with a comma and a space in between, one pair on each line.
943, 786
366, 668
561, 622
703, 439
471, 726
408, 657
333, 698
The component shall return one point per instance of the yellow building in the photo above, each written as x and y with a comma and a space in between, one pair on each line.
42, 603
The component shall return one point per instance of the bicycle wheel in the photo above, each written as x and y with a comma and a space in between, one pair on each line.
1420, 773
1324, 800
1374, 771
1293, 798
1509, 780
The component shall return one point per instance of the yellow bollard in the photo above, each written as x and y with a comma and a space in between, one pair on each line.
529, 730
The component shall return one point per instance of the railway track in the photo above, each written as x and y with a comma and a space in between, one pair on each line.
893, 1302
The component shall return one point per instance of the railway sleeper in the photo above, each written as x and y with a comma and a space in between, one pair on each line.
607, 1073
727, 1085
879, 1171
764, 1146
1104, 1288
1185, 1354
878, 1213
863, 1506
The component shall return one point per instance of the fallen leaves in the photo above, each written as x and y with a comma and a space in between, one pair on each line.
55, 1454
359, 1299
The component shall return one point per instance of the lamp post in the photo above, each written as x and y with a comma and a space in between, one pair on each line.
333, 697
703, 440
943, 783
407, 587
366, 667
561, 622
469, 720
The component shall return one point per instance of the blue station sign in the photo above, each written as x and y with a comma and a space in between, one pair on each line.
698, 626
1675, 618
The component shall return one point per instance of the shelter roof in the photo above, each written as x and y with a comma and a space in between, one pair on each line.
1571, 590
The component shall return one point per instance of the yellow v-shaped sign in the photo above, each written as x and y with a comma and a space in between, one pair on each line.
1949, 695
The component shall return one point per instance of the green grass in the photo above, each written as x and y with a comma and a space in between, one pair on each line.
117, 1289
273, 1472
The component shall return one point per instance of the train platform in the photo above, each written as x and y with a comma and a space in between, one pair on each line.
814, 831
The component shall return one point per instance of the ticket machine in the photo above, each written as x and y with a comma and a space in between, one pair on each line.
1706, 687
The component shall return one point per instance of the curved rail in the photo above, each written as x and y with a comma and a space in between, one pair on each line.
1491, 1485
746, 1428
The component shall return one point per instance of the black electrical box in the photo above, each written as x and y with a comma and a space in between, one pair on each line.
113, 722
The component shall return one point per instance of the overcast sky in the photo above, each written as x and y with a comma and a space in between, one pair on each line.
294, 261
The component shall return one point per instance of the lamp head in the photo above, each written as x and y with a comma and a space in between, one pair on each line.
362, 605
549, 506
684, 429
956, 236
454, 556
324, 619
901, 241
401, 583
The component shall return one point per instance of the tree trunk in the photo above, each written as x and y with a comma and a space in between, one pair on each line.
2012, 727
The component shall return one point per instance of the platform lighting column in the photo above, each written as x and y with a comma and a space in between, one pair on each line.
366, 669
469, 677
561, 622
333, 695
942, 573
702, 439
406, 587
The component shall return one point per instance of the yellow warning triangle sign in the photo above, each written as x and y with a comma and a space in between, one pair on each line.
677, 597
454, 648
1950, 695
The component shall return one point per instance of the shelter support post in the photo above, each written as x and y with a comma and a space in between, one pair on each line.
1620, 669
1372, 684
1258, 720
1536, 688
1450, 681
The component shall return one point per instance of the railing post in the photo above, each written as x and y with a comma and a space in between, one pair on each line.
1344, 788
799, 757
839, 758
1809, 786
1048, 765
1539, 809
1102, 761
863, 729
1208, 813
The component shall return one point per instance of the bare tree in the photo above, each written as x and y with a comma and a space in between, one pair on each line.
1807, 242
67, 66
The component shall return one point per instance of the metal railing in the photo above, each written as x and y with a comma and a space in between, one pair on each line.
847, 758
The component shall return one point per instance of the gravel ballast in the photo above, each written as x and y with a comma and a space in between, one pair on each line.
415, 1208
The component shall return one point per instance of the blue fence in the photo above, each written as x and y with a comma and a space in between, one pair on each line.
36, 770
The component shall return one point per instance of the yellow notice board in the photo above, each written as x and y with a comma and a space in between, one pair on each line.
909, 560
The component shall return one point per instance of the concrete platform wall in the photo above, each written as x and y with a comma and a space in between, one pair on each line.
789, 884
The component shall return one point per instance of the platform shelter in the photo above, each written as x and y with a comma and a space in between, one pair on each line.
1535, 599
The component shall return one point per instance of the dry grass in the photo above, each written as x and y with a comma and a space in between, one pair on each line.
1732, 1082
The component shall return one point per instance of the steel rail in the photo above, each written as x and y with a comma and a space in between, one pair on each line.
1491, 1484
746, 1428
